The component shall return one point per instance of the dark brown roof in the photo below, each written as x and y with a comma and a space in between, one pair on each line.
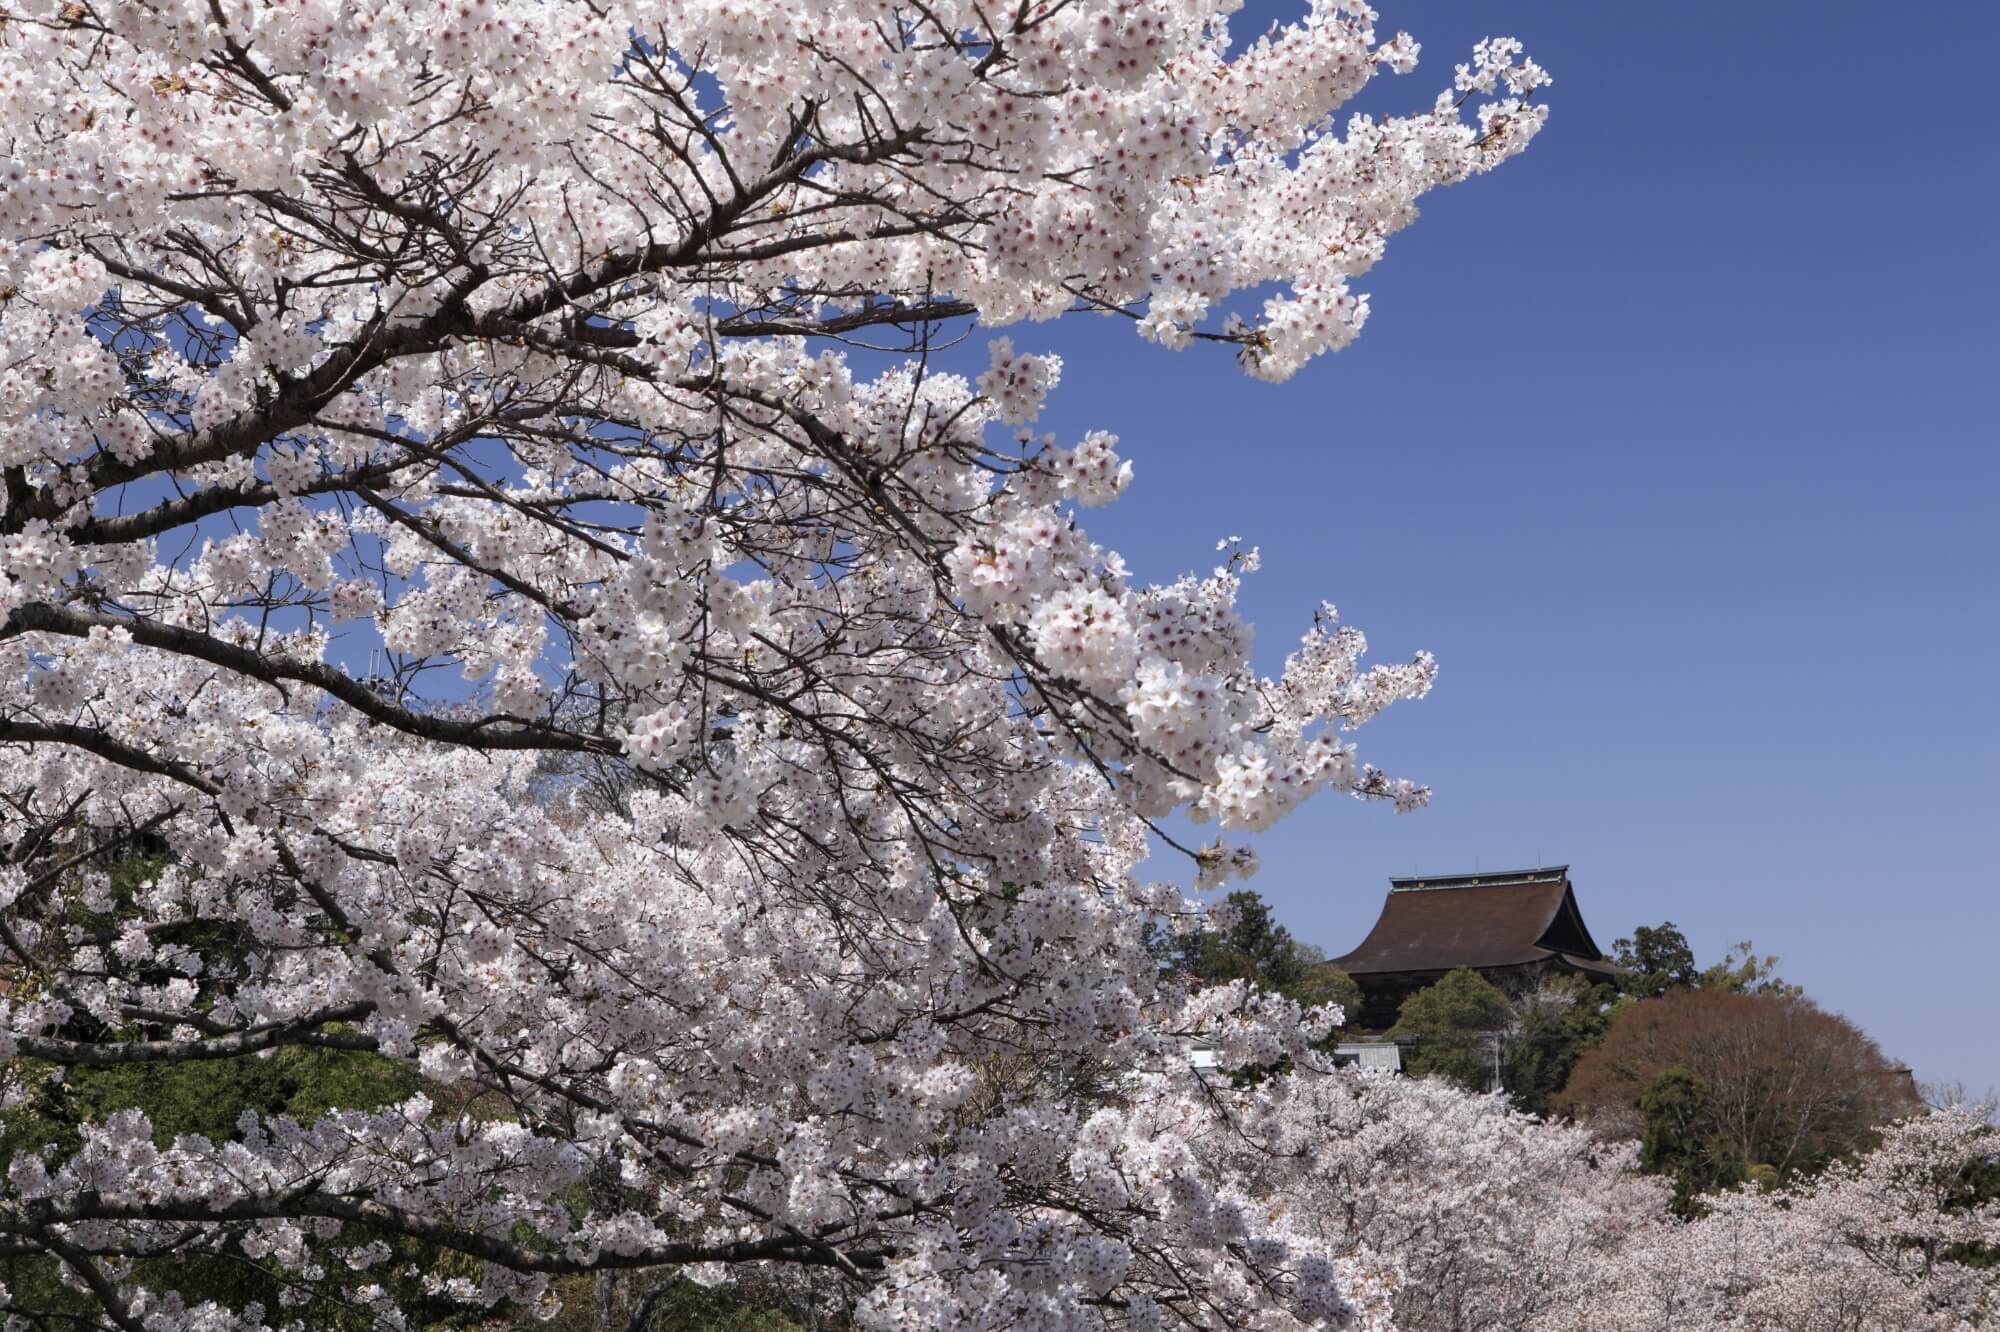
1478, 920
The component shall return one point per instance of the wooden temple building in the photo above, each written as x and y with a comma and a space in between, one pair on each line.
1512, 927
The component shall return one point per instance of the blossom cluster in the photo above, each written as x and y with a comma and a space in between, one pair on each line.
487, 508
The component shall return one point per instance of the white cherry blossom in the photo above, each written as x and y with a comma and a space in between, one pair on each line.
483, 487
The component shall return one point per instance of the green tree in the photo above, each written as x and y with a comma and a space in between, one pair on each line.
1677, 1108
1323, 983
1453, 1029
1656, 959
1256, 948
1979, 1187
647, 1303
1742, 971
1253, 947
206, 1099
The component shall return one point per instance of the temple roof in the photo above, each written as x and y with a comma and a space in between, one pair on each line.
1508, 918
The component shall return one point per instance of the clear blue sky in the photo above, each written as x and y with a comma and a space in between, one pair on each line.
1675, 440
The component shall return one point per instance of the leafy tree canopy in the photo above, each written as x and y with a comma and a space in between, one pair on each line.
1743, 971
1452, 1029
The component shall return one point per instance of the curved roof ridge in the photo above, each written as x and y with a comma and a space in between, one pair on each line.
1479, 879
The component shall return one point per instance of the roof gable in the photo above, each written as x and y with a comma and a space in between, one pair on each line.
1567, 933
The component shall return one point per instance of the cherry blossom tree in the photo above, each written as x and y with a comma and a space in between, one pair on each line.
458, 509
1898, 1241
1477, 1217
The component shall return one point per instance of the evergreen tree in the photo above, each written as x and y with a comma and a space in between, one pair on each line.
1254, 947
1656, 959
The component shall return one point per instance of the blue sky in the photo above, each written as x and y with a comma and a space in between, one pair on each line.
1674, 439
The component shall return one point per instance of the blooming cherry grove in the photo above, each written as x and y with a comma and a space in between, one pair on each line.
1477, 1218
410, 408
1898, 1241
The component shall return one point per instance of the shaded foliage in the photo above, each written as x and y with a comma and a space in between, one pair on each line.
206, 1100
1254, 947
1551, 1028
48, 1108
1678, 1140
1452, 1029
